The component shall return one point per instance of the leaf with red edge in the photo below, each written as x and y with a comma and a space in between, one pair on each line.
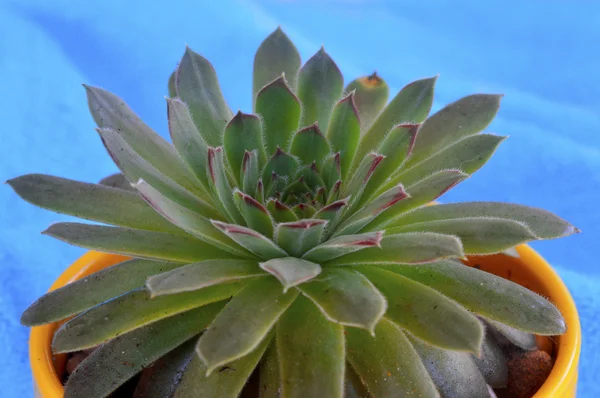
291, 271
248, 238
280, 212
256, 215
341, 245
299, 236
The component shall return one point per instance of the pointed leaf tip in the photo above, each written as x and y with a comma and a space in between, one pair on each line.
291, 271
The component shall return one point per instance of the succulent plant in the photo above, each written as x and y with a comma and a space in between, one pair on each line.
294, 245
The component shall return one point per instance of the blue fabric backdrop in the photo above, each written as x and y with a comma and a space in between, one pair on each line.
542, 55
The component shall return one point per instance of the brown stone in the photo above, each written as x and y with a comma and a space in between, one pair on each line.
527, 371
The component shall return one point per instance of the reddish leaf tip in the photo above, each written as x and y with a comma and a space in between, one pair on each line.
303, 224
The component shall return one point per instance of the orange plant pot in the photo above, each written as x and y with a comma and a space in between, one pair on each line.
529, 270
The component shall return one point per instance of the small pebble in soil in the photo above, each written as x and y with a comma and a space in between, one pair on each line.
527, 371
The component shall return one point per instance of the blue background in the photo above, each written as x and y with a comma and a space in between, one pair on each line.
542, 55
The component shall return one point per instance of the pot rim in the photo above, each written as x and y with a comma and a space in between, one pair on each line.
560, 381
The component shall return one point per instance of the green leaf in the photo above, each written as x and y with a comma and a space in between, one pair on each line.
341, 245
311, 353
188, 220
360, 178
280, 110
228, 382
311, 175
467, 155
320, 86
90, 201
310, 145
162, 378
129, 312
171, 85
489, 295
407, 248
296, 189
346, 297
136, 168
353, 386
260, 191
280, 212
256, 215
221, 189
243, 133
282, 164
523, 340
297, 237
460, 119
343, 131
425, 313
334, 193
411, 105
332, 212
304, 211
332, 172
542, 223
187, 139
291, 271
244, 330
454, 373
479, 235
370, 96
115, 362
277, 184
275, 56
396, 148
269, 377
492, 362
249, 173
421, 193
387, 363
368, 213
197, 85
111, 112
255, 242
136, 243
92, 290
196, 276
117, 180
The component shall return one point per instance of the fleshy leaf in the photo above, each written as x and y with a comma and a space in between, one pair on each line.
90, 201
341, 245
332, 171
460, 119
320, 86
311, 175
488, 295
467, 155
244, 330
280, 110
187, 139
256, 215
334, 193
370, 96
270, 379
243, 133
297, 237
332, 212
186, 219
130, 312
220, 185
280, 212
291, 271
282, 164
135, 168
479, 235
421, 193
343, 132
454, 373
360, 178
255, 242
422, 311
115, 362
228, 382
111, 112
117, 180
387, 363
197, 85
304, 211
544, 224
396, 148
411, 105
136, 243
92, 290
408, 248
310, 145
196, 276
249, 173
368, 213
275, 56
171, 85
311, 353
523, 340
492, 362
346, 297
